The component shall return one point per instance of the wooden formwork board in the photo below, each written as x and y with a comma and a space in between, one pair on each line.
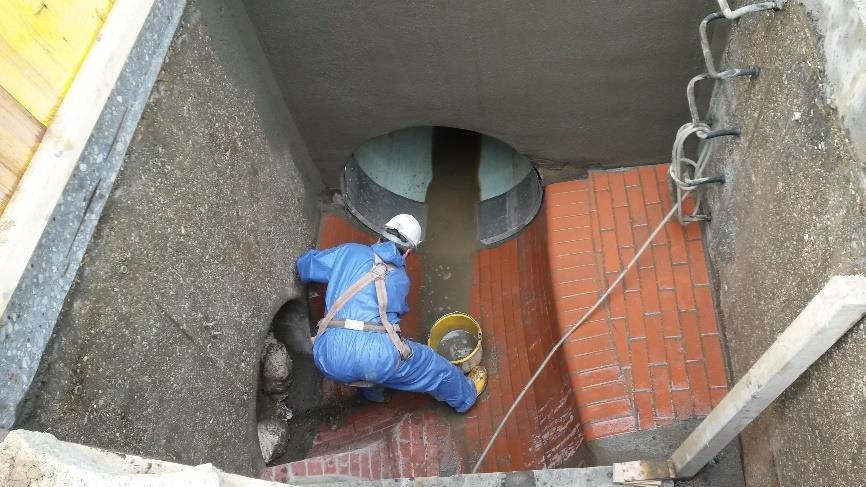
55, 159
42, 46
20, 134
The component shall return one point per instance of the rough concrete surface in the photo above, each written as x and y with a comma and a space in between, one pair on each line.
842, 24
28, 321
554, 477
29, 458
791, 214
725, 470
157, 349
588, 83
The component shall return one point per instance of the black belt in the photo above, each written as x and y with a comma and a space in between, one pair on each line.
360, 326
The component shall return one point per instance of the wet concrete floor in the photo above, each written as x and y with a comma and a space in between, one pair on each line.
452, 235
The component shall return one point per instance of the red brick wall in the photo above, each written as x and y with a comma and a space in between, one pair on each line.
652, 354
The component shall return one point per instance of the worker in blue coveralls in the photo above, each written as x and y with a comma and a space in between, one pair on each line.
358, 341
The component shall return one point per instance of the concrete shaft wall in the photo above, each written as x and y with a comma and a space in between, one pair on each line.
156, 351
589, 82
791, 214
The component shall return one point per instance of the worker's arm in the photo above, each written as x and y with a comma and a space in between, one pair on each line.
316, 265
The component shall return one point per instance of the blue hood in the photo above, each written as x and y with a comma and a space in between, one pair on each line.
389, 252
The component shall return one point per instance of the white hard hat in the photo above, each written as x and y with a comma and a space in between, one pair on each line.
404, 230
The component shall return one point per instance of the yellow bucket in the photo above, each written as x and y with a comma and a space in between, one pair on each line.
461, 333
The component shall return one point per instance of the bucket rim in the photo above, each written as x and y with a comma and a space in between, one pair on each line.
474, 321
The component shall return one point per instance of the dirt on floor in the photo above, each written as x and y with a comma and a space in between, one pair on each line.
452, 227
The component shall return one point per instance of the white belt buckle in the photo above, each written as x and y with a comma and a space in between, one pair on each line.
354, 325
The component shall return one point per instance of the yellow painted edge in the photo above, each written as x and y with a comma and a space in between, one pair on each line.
42, 46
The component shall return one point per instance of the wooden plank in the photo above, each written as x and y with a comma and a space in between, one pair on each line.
638, 471
42, 44
835, 309
20, 133
8, 181
25, 217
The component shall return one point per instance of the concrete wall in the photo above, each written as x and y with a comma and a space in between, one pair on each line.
792, 214
28, 321
589, 82
842, 24
156, 351
29, 458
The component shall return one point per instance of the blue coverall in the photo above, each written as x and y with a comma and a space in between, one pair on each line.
347, 356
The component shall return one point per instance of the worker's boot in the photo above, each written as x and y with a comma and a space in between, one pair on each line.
478, 376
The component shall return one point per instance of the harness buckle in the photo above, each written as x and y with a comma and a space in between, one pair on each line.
380, 270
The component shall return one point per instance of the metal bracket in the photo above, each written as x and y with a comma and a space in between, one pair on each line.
755, 7
708, 180
696, 118
752, 71
734, 131
679, 162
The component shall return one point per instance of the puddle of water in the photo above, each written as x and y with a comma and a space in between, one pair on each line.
457, 344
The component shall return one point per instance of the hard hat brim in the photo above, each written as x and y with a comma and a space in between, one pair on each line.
398, 238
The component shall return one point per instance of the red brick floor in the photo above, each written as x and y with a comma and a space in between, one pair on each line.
513, 301
515, 306
391, 443
652, 354
649, 357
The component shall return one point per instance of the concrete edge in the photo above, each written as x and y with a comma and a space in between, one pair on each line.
35, 456
556, 477
29, 321
30, 456
842, 28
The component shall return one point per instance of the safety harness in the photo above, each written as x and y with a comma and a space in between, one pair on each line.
376, 275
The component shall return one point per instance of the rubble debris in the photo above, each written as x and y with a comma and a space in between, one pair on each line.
273, 437
276, 367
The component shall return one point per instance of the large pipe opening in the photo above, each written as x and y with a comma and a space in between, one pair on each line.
392, 174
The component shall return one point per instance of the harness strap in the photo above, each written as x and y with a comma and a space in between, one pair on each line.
382, 299
360, 326
377, 272
376, 275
